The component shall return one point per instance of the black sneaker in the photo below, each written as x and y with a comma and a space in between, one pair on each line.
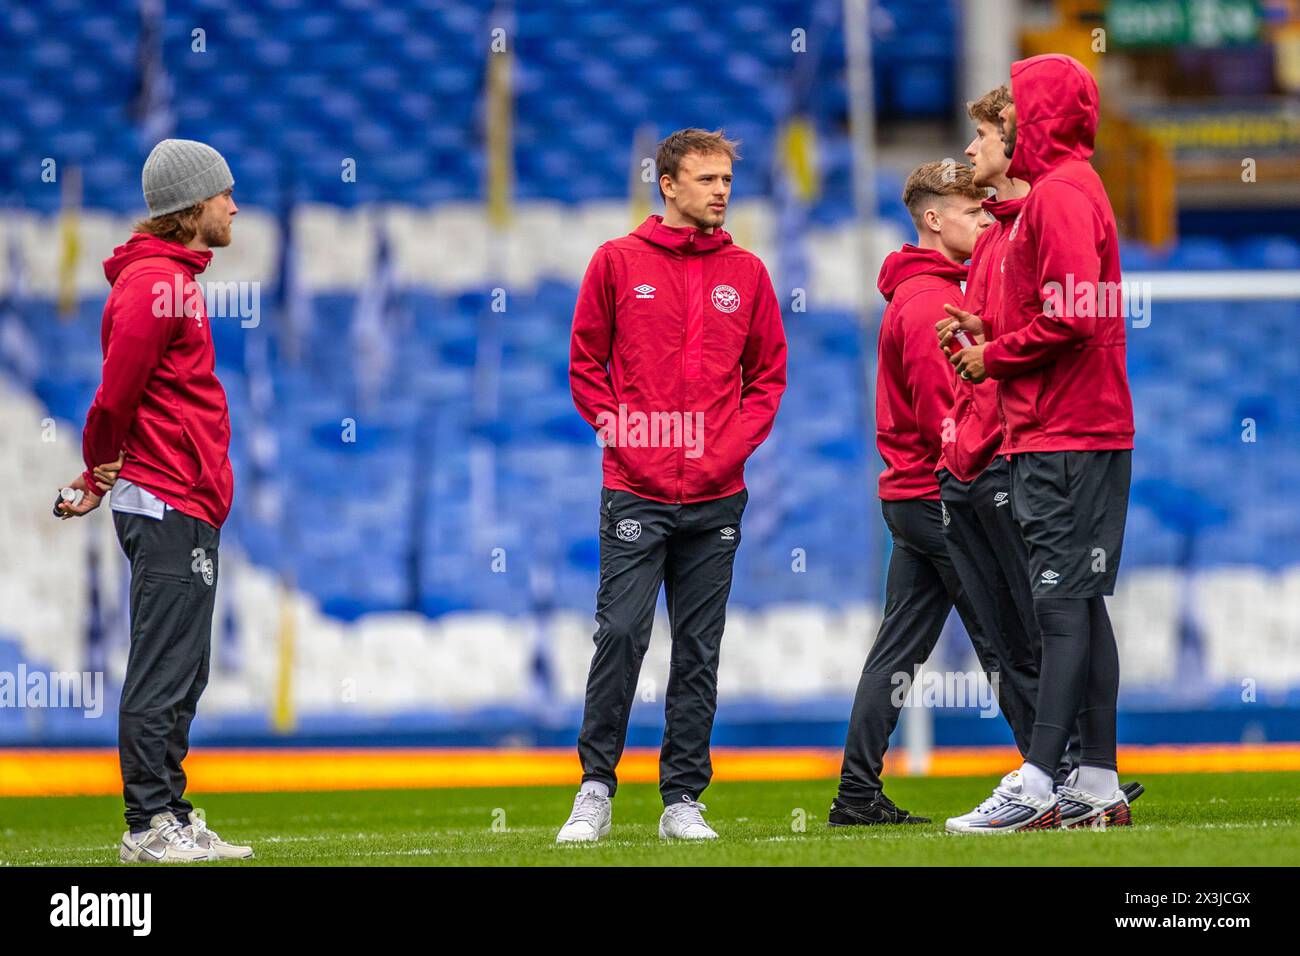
881, 810
1133, 790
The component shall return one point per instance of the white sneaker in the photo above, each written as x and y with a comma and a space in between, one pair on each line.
1083, 810
682, 821
165, 842
1009, 810
209, 840
589, 821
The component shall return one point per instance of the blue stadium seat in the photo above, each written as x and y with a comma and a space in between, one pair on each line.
400, 90
411, 117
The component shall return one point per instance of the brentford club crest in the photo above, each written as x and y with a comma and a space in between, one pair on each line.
725, 298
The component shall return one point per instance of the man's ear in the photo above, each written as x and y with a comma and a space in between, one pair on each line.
665, 182
931, 219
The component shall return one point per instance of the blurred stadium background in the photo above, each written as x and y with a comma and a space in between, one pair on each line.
419, 197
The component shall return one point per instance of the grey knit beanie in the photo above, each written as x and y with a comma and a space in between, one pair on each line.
180, 173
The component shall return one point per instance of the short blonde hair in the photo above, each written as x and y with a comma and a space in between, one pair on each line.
938, 180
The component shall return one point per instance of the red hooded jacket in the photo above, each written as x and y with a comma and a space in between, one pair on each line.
159, 400
977, 431
677, 359
913, 377
1058, 349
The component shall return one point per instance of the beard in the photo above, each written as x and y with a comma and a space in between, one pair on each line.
214, 235
707, 218
1009, 141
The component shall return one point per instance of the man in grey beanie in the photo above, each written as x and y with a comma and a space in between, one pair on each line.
161, 423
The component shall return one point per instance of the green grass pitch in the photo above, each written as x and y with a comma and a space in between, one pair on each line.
1182, 820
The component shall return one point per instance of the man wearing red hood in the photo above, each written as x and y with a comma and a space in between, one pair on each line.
914, 393
1058, 353
160, 416
678, 361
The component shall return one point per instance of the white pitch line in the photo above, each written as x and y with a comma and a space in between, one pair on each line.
90, 853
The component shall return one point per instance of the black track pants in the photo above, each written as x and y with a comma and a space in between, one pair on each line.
921, 588
173, 590
689, 550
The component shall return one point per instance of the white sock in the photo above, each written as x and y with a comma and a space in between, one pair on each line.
1037, 782
1097, 780
596, 787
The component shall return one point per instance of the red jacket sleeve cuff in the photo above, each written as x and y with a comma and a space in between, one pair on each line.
92, 486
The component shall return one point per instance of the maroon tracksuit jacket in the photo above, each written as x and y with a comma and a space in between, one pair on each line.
675, 320
1058, 347
159, 400
913, 377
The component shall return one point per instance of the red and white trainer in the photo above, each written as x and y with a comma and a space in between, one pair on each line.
1009, 810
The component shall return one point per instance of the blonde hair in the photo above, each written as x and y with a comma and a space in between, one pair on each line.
179, 227
938, 180
989, 106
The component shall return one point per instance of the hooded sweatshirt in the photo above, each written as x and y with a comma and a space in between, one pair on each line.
977, 431
159, 401
914, 390
677, 359
1058, 349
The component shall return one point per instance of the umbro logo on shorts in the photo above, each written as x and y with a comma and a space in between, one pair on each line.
1050, 577
728, 534
629, 529
644, 291
999, 499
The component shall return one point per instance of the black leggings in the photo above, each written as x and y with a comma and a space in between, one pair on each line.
1079, 679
